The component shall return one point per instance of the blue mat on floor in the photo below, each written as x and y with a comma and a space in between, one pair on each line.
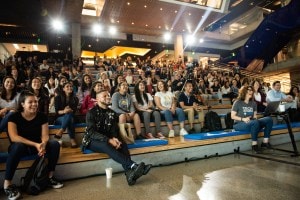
139, 144
59, 126
283, 126
214, 134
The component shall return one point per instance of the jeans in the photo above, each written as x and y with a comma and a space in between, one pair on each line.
146, 116
254, 126
121, 155
4, 122
169, 115
67, 122
18, 150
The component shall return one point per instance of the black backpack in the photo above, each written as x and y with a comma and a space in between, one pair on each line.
212, 121
36, 178
228, 121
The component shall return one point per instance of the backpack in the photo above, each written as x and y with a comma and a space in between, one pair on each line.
36, 178
228, 121
212, 121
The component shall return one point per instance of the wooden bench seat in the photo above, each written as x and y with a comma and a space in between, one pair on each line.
70, 155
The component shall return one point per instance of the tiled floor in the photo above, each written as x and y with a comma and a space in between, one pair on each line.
231, 177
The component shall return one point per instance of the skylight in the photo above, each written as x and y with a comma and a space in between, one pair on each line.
92, 7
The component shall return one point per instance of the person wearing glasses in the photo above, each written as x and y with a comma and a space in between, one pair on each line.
244, 114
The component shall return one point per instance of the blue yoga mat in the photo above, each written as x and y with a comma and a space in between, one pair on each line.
214, 134
139, 144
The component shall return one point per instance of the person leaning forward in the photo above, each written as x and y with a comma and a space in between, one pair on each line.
102, 135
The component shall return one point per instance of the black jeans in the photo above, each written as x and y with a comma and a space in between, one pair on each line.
18, 150
121, 155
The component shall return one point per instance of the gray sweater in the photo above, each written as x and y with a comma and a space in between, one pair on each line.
122, 103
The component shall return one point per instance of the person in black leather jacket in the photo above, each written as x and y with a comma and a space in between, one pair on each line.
102, 135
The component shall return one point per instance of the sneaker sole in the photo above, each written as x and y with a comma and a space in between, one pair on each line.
147, 169
16, 197
57, 186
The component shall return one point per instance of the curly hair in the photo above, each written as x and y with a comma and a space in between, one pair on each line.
243, 92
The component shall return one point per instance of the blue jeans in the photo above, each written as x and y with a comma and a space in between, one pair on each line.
67, 122
18, 150
254, 126
169, 115
121, 155
4, 122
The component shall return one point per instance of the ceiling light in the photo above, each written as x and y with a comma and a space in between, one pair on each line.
90, 45
190, 14
190, 39
57, 25
146, 25
16, 46
175, 11
159, 26
167, 36
160, 9
145, 6
132, 23
97, 28
201, 40
128, 3
35, 47
112, 30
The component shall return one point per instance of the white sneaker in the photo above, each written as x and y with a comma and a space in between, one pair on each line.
183, 132
171, 133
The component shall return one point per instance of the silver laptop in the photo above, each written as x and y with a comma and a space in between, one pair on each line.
271, 108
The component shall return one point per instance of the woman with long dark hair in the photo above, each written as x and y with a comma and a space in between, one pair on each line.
85, 87
165, 102
8, 100
65, 107
143, 103
29, 134
35, 86
259, 96
90, 100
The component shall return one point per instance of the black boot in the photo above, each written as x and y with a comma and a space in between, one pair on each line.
136, 172
147, 169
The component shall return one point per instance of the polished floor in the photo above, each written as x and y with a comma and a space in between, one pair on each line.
231, 177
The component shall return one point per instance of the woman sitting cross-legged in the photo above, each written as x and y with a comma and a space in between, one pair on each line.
143, 103
29, 133
166, 103
123, 106
244, 112
65, 107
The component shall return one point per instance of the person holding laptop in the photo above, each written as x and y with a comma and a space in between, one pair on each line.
276, 95
244, 114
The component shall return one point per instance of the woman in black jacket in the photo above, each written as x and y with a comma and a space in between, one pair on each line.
65, 108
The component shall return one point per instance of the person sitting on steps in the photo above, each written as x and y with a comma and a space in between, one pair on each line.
102, 135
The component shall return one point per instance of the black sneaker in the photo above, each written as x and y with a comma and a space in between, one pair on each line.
136, 172
12, 192
147, 169
255, 149
54, 183
266, 145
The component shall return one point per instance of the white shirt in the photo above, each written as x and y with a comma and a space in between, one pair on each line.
145, 104
166, 98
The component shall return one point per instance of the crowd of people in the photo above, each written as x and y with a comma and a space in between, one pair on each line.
117, 95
